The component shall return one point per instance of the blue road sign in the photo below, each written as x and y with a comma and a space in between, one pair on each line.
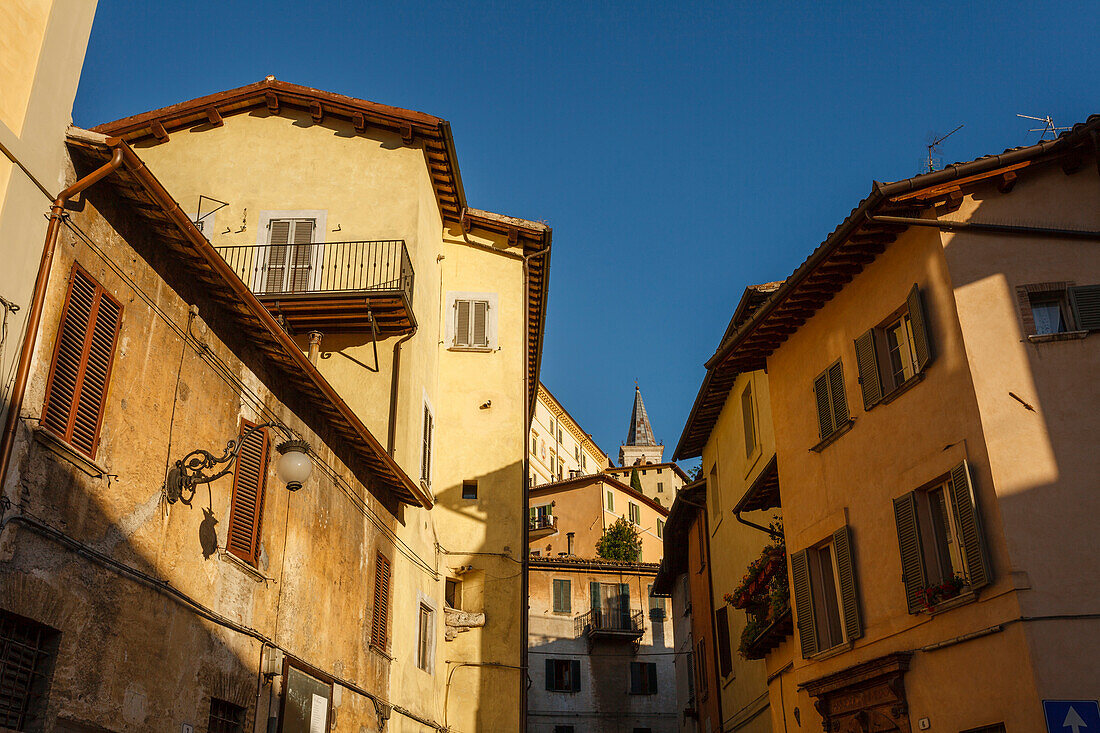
1072, 716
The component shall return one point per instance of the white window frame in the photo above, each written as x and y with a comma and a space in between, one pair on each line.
433, 616
491, 320
263, 235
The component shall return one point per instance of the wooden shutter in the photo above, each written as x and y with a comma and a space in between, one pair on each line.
837, 398
550, 685
480, 323
575, 674
909, 547
846, 579
969, 527
277, 255
651, 675
80, 371
922, 345
426, 453
1085, 304
824, 406
381, 616
749, 423
635, 677
247, 507
462, 325
870, 382
624, 605
725, 658
301, 259
803, 603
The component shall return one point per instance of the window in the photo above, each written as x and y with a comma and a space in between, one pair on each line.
563, 729
379, 631
559, 432
824, 593
469, 489
940, 541
288, 260
701, 667
660, 487
584, 461
425, 628
76, 390
246, 507
635, 513
535, 445
563, 675
225, 717
610, 500
563, 600
643, 472
702, 525
691, 678
659, 471
686, 591
577, 453
894, 352
428, 435
832, 403
471, 323
541, 516
722, 626
569, 537
656, 606
26, 651
1056, 307
452, 593
714, 494
306, 702
643, 678
561, 469
748, 413
660, 529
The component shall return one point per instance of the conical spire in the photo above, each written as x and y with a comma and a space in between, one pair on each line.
641, 432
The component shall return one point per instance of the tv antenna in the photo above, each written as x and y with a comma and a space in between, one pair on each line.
934, 146
1048, 126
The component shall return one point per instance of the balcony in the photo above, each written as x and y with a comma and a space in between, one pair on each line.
611, 623
331, 287
542, 526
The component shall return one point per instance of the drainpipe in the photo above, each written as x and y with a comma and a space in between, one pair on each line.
391, 428
742, 520
314, 346
38, 299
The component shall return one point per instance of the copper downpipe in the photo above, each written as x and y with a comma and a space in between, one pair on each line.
34, 318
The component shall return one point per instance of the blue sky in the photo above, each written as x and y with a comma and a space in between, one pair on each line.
680, 151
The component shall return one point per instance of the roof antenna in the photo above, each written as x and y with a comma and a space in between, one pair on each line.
934, 147
1048, 126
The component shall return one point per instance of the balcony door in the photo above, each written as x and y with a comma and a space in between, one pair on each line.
291, 260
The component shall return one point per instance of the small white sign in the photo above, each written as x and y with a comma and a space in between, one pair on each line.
318, 715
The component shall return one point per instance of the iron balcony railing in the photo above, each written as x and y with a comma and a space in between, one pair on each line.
545, 521
610, 620
322, 267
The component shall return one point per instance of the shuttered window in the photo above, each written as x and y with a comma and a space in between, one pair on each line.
80, 371
725, 653
643, 678
472, 324
563, 600
428, 436
247, 506
824, 590
832, 403
380, 618
940, 541
747, 413
289, 255
894, 352
701, 667
635, 513
1085, 304
563, 675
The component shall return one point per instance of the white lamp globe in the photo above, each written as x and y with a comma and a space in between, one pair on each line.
294, 463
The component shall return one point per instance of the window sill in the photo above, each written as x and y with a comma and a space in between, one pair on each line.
833, 651
903, 387
962, 599
62, 449
1043, 338
835, 434
248, 569
475, 349
380, 652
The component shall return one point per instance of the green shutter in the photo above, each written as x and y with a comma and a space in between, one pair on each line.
624, 605
969, 527
824, 406
1085, 303
557, 595
867, 363
909, 546
803, 603
575, 674
837, 396
846, 579
922, 346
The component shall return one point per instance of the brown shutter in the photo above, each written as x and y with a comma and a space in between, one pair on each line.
725, 657
824, 406
1085, 304
247, 506
76, 390
575, 674
481, 323
277, 255
302, 257
922, 346
381, 617
846, 579
909, 546
867, 363
426, 448
969, 526
749, 423
462, 323
837, 396
803, 603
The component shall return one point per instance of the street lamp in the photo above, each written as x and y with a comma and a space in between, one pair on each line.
293, 468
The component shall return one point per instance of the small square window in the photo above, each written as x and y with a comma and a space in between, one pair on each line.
452, 593
1049, 313
27, 649
225, 717
643, 678
469, 489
